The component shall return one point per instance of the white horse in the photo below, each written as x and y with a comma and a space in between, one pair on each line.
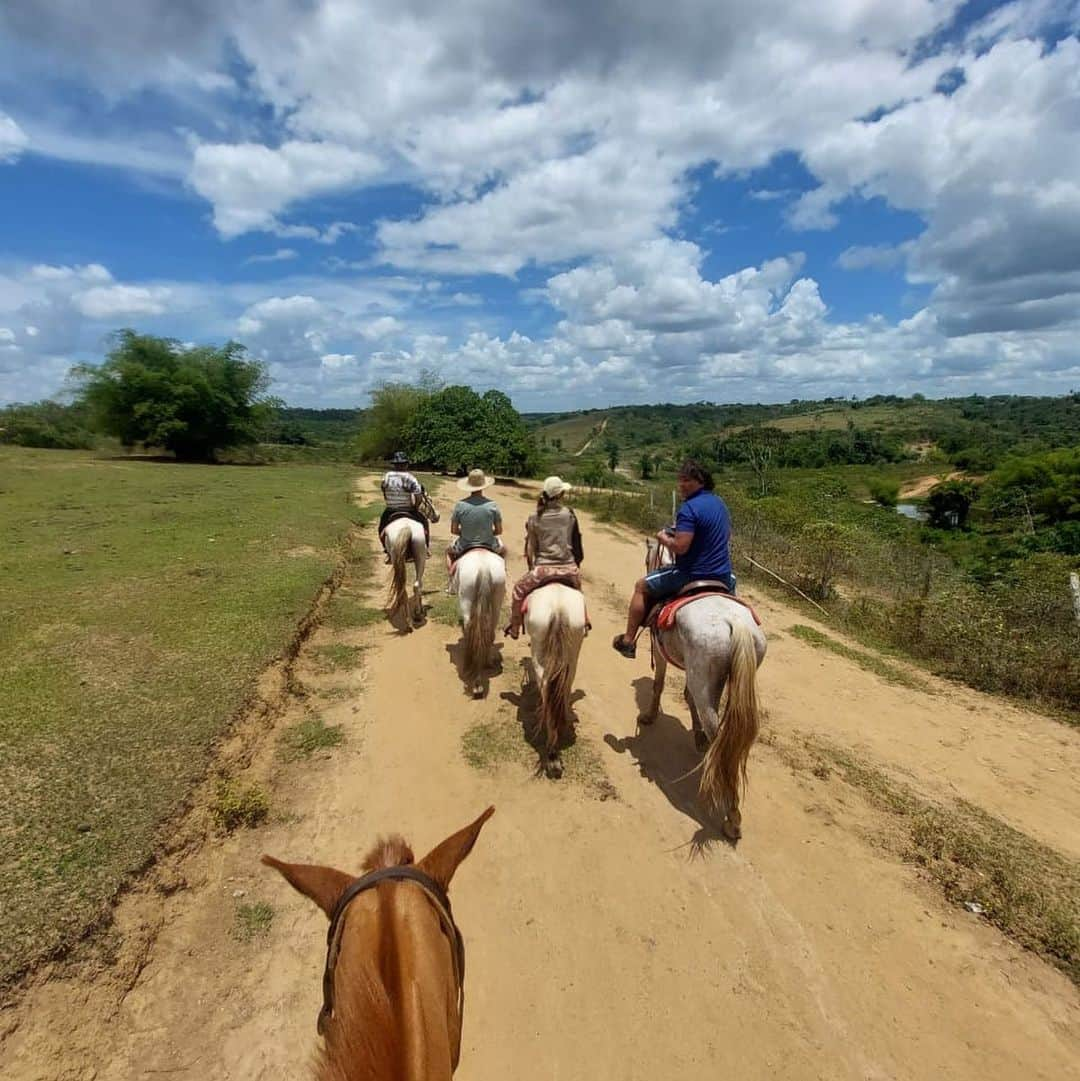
481, 587
717, 641
555, 621
405, 543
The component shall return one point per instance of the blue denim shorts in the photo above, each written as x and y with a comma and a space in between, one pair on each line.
667, 581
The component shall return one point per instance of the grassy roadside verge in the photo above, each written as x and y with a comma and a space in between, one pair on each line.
1026, 889
139, 600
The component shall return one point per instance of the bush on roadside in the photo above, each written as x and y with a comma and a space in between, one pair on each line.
237, 805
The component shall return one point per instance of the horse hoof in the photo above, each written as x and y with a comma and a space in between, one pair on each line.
732, 826
701, 741
553, 767
646, 718
478, 691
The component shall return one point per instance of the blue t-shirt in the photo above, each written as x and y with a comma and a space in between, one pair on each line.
706, 516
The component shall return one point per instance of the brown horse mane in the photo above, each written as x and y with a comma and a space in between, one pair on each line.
365, 1043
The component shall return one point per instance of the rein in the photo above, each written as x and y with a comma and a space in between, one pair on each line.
427, 508
439, 900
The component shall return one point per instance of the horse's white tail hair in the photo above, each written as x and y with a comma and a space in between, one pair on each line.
480, 633
558, 678
397, 600
724, 772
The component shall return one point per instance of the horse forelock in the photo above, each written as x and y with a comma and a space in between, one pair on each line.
392, 851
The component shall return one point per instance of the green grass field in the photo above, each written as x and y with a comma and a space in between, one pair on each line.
138, 600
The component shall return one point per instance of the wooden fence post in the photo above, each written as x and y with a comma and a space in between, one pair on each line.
1074, 582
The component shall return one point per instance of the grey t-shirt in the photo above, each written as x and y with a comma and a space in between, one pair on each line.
478, 518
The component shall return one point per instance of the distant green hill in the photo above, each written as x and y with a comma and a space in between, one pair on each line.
975, 432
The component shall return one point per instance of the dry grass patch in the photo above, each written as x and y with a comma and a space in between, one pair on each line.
310, 735
252, 921
236, 805
870, 662
490, 745
335, 656
1029, 891
347, 613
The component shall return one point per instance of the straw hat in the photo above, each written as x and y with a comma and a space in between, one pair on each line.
476, 481
555, 487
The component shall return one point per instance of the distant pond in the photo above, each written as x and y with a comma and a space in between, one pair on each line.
912, 511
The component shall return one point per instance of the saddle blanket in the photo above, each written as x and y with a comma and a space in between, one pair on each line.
663, 616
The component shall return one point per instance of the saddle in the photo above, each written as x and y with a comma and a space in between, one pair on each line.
456, 559
662, 614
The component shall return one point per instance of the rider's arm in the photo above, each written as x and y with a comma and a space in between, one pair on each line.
530, 543
575, 541
680, 543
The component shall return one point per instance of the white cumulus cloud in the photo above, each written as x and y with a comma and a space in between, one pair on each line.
13, 140
250, 184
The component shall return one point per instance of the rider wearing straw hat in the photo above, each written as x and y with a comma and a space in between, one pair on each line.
553, 549
476, 521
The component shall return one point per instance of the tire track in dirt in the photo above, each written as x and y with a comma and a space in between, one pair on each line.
612, 939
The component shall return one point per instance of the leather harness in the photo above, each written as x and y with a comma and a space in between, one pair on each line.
440, 902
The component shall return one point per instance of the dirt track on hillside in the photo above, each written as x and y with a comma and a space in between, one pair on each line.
609, 938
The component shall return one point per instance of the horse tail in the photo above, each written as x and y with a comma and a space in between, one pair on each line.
560, 653
480, 630
724, 771
397, 600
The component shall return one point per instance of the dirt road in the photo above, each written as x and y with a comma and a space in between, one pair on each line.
605, 940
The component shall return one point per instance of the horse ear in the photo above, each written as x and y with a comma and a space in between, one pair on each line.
443, 860
323, 885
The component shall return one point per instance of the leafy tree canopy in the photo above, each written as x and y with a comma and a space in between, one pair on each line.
1045, 487
457, 429
393, 406
46, 424
948, 503
194, 402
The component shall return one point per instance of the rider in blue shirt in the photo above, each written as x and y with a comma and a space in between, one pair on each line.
699, 544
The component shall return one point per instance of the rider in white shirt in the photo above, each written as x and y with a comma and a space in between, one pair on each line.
402, 492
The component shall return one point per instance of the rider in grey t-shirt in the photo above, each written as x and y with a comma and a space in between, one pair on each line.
478, 522
475, 523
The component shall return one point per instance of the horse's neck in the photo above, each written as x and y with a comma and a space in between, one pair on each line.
657, 556
392, 987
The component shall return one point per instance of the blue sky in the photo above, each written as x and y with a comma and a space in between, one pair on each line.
580, 204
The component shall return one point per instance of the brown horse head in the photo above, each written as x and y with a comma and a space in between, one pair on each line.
394, 976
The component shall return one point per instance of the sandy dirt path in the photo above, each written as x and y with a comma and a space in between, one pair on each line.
604, 942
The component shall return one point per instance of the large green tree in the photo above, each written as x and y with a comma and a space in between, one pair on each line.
393, 406
457, 429
156, 392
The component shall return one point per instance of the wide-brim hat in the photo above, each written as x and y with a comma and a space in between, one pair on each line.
476, 481
555, 487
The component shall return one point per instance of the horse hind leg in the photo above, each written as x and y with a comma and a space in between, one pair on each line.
701, 741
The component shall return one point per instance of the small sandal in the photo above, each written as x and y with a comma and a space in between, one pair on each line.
510, 632
627, 649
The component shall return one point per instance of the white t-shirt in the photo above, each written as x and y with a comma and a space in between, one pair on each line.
399, 488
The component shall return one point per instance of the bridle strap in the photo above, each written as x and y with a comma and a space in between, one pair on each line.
439, 899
